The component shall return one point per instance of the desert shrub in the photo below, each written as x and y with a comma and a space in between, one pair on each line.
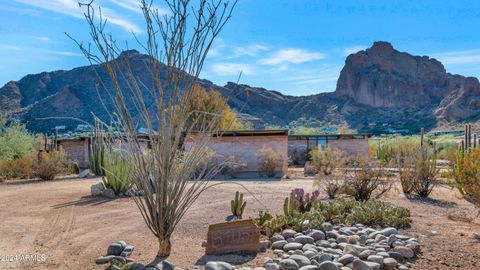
20, 168
465, 172
16, 142
384, 151
367, 180
446, 150
269, 161
117, 172
368, 213
232, 166
425, 174
338, 211
297, 157
325, 161
48, 165
333, 185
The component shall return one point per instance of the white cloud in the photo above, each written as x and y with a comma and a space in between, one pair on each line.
135, 6
458, 57
42, 38
11, 47
353, 49
295, 56
230, 69
71, 8
250, 50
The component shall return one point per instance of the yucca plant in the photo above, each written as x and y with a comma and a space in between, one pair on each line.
237, 206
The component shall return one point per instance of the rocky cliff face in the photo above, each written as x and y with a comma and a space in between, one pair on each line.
384, 77
379, 87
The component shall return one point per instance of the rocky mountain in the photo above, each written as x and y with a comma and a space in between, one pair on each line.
378, 88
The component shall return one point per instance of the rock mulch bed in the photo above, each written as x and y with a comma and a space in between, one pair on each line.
337, 248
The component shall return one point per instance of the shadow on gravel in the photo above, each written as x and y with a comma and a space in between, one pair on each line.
234, 259
86, 200
431, 201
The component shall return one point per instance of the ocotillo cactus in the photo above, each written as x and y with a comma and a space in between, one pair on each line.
237, 206
289, 206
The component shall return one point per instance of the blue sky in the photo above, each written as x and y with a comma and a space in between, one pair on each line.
297, 47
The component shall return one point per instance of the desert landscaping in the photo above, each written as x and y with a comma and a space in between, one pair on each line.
61, 220
125, 156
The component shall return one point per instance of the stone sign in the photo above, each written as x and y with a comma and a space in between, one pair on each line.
237, 236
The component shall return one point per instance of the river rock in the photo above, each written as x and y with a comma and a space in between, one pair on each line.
292, 246
218, 266
288, 264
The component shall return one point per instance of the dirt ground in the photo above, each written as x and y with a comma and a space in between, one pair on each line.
61, 222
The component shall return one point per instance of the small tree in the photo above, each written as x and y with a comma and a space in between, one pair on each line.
205, 106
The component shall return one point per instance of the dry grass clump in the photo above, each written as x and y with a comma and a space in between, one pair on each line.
270, 161
20, 168
50, 164
326, 161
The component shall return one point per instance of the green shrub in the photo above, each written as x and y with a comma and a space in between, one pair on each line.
48, 165
465, 172
117, 172
16, 142
338, 211
368, 213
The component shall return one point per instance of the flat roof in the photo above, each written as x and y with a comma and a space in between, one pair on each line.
368, 135
232, 133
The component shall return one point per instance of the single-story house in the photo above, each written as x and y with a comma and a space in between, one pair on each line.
246, 148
